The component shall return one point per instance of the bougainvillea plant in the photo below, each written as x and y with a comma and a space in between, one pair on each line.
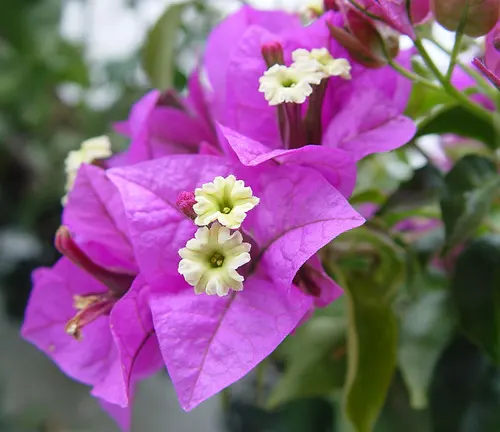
290, 210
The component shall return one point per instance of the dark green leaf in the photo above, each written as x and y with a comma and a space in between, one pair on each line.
159, 51
466, 391
469, 189
315, 361
308, 415
459, 121
476, 292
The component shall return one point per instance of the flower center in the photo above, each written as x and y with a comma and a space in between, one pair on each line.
217, 260
288, 82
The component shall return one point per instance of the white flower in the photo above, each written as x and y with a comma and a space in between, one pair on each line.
288, 84
90, 150
226, 200
209, 260
320, 59
314, 9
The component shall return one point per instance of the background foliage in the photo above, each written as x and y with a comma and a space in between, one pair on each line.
414, 344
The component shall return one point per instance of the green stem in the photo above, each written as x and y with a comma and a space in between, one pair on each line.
411, 75
470, 106
456, 50
480, 80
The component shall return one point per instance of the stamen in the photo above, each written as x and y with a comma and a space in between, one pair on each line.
89, 309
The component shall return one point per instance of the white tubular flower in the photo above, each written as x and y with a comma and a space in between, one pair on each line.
314, 9
90, 150
226, 200
209, 260
288, 84
321, 60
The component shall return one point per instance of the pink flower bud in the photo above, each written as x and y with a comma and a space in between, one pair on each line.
481, 15
273, 53
185, 203
66, 245
331, 5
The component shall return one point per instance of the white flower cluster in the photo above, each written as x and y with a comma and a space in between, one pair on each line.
293, 84
210, 260
90, 150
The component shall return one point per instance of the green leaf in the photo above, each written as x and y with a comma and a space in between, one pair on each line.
423, 99
457, 390
372, 328
476, 292
422, 189
459, 121
315, 361
469, 190
425, 331
158, 59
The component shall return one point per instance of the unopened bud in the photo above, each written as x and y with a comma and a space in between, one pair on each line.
496, 43
66, 245
185, 202
368, 43
331, 5
480, 15
273, 54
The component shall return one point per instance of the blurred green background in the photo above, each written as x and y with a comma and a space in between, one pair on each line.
68, 70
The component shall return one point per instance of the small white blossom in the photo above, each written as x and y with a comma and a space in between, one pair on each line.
320, 59
209, 260
90, 150
314, 9
288, 84
226, 200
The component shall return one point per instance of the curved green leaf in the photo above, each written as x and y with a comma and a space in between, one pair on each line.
158, 57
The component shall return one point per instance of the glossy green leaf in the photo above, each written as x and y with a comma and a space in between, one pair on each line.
158, 59
469, 190
372, 327
426, 328
423, 99
476, 293
458, 381
457, 120
315, 361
